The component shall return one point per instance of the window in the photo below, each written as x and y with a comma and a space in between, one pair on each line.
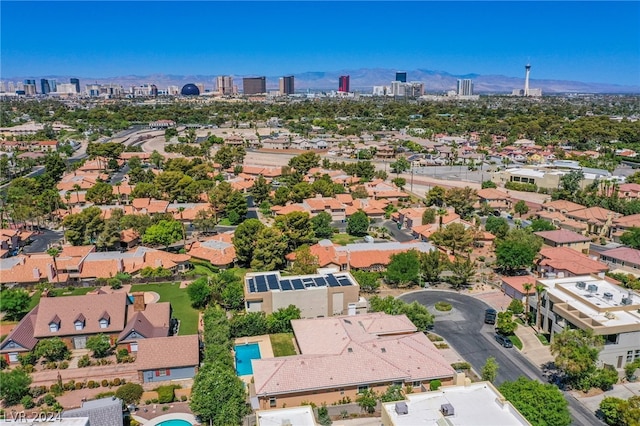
416, 384
611, 339
629, 356
13, 357
79, 325
341, 391
162, 373
53, 327
397, 384
133, 347
104, 323
272, 402
363, 389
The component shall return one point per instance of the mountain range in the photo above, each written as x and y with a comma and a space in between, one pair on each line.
364, 79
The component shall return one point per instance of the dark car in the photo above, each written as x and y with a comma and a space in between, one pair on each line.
504, 341
490, 316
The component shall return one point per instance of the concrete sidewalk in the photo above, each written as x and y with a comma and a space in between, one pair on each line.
538, 353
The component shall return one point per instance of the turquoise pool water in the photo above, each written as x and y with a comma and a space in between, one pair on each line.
175, 422
244, 355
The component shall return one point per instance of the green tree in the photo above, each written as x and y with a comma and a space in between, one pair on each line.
454, 237
403, 268
631, 238
296, 226
621, 412
358, 224
280, 320
368, 281
576, 352
156, 159
306, 263
462, 200
199, 292
100, 193
517, 250
429, 216
399, 182
218, 395
435, 196
232, 296
321, 225
14, 303
304, 162
541, 225
270, 249
100, 345
393, 393
164, 233
570, 182
505, 324
432, 264
488, 184
15, 385
498, 226
401, 165
417, 313
516, 306
236, 208
260, 190
462, 270
244, 239
52, 349
541, 404
521, 208
129, 393
490, 370
359, 192
368, 400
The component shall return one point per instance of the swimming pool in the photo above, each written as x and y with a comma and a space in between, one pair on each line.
244, 355
175, 422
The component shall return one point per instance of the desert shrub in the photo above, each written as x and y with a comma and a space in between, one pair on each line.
129, 393
28, 368
104, 383
114, 283
166, 394
36, 391
105, 394
63, 365
443, 306
461, 366
91, 384
79, 385
84, 361
49, 399
183, 398
70, 385
27, 402
435, 384
56, 390
29, 358
116, 382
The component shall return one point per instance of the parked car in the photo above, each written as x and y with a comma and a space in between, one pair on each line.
490, 316
504, 341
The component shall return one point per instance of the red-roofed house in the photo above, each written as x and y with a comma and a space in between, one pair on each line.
514, 286
566, 262
624, 258
565, 238
219, 250
495, 198
343, 356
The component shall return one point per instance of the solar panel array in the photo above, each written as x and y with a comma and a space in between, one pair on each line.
266, 282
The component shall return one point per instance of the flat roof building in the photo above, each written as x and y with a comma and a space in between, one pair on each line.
592, 303
477, 404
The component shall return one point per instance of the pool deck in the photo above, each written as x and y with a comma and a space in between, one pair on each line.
165, 417
266, 350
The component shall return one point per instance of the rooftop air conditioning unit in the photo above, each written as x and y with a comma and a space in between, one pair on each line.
581, 284
626, 301
447, 410
608, 296
402, 408
592, 288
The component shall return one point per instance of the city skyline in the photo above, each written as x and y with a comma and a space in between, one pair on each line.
581, 41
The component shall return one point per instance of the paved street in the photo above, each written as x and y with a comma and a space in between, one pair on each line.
464, 329
400, 235
41, 241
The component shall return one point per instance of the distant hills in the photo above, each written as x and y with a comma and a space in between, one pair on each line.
364, 79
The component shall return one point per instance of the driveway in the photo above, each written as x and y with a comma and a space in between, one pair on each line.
464, 329
42, 241
400, 235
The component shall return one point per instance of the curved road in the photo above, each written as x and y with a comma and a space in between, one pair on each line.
465, 330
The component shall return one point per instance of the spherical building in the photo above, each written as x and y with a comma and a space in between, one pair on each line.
190, 90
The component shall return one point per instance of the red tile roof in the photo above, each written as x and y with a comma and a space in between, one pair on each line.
168, 352
563, 236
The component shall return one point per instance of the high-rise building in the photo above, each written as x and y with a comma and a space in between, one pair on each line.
47, 86
527, 71
465, 87
154, 90
343, 83
254, 85
225, 85
76, 82
401, 76
29, 87
286, 85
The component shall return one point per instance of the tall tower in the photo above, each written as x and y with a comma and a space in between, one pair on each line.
343, 83
527, 69
287, 85
401, 76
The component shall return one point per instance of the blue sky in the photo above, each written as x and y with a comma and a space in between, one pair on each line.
583, 41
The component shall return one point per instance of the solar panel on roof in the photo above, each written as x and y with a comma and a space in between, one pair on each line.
286, 285
320, 282
252, 285
297, 284
273, 282
344, 281
261, 284
333, 282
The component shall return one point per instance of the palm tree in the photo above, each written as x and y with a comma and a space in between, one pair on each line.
55, 252
77, 188
527, 288
67, 196
539, 290
184, 232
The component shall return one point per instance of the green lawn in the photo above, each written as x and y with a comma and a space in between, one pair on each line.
282, 344
35, 299
182, 310
542, 338
203, 267
78, 291
344, 239
516, 341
